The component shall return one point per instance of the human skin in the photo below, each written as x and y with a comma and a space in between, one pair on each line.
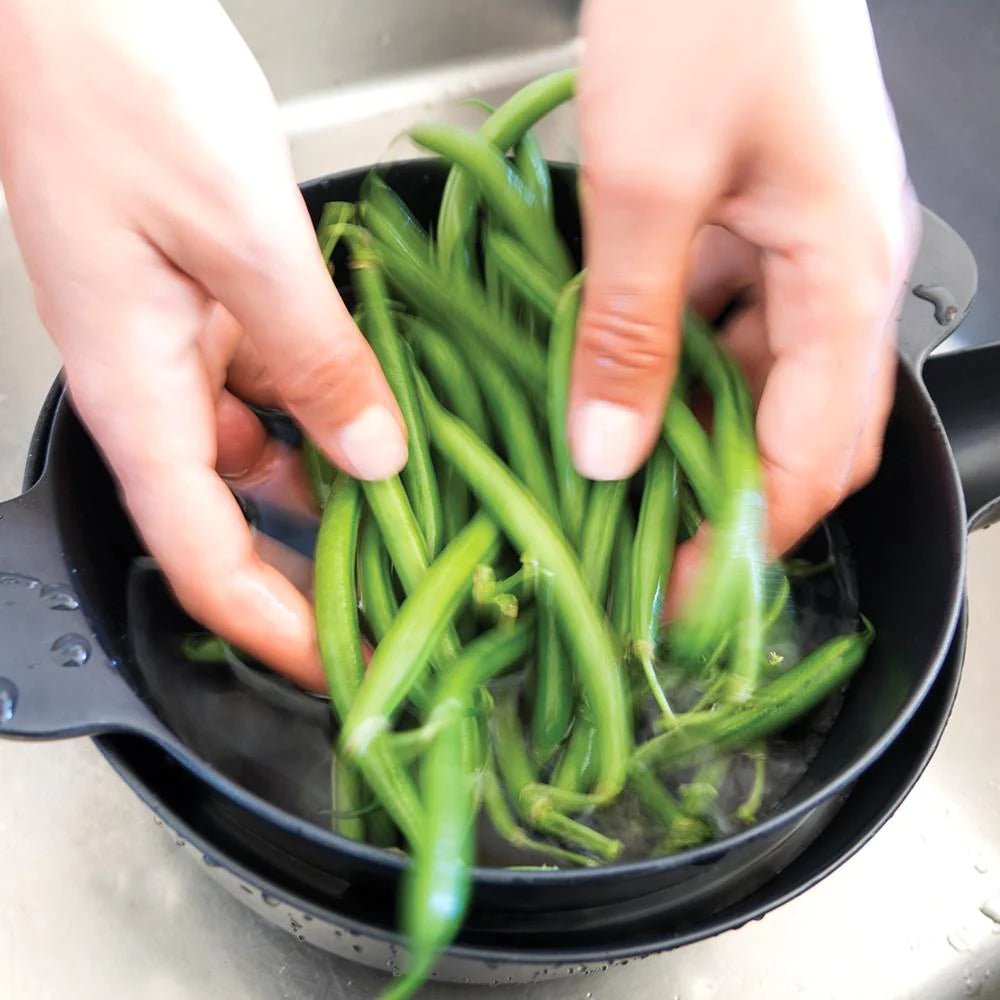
726, 146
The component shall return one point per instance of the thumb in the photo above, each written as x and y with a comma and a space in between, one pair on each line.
271, 277
628, 337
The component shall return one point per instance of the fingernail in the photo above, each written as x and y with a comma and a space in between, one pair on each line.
606, 440
373, 444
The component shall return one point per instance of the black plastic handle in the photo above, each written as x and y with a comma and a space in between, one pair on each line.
55, 678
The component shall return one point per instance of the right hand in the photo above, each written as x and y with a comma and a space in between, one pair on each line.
176, 268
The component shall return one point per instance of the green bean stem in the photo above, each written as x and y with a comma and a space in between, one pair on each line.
772, 706
533, 805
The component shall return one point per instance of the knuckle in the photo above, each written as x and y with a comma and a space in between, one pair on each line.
331, 379
620, 338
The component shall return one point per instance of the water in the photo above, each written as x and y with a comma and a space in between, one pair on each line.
58, 597
8, 700
275, 741
70, 650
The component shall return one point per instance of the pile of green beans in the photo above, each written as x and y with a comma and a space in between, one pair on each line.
521, 667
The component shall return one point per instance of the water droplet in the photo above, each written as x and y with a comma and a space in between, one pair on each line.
179, 842
294, 925
20, 580
157, 820
210, 862
246, 889
945, 309
58, 597
301, 937
270, 900
981, 866
991, 909
308, 916
8, 700
958, 940
357, 948
70, 650
588, 995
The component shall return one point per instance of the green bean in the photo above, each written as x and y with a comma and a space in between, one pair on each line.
553, 705
571, 485
576, 766
346, 793
389, 220
750, 807
504, 128
380, 328
769, 709
533, 169
334, 220
727, 594
701, 793
482, 659
500, 815
511, 414
339, 637
435, 892
582, 625
621, 577
503, 190
460, 309
319, 471
689, 443
652, 559
680, 829
378, 598
534, 285
205, 649
423, 618
337, 628
533, 803
607, 500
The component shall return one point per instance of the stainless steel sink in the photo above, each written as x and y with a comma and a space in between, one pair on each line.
98, 902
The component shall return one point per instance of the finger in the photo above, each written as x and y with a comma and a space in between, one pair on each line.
256, 253
828, 330
163, 456
868, 456
628, 333
723, 267
744, 338
258, 466
233, 360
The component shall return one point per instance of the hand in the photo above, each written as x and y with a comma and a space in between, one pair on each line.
151, 192
730, 146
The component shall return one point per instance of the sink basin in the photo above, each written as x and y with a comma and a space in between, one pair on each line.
915, 915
